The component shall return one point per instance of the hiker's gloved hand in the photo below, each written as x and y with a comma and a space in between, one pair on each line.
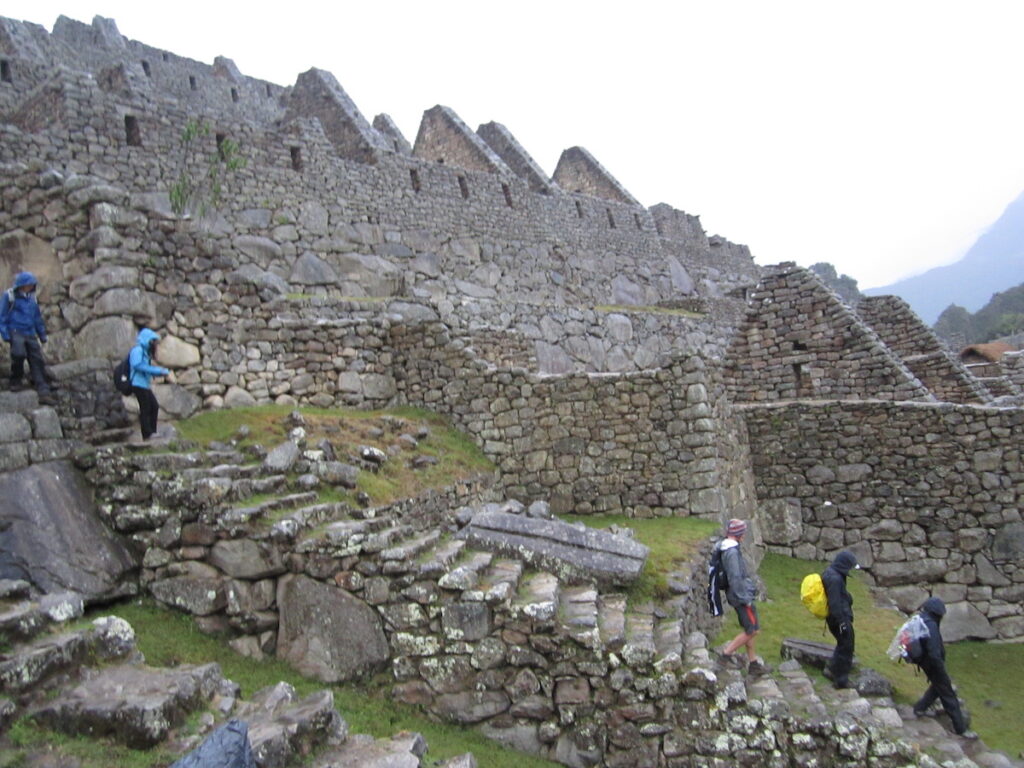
844, 628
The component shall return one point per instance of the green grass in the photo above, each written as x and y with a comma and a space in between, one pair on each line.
983, 671
457, 456
673, 541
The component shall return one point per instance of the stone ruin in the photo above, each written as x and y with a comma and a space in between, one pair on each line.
607, 357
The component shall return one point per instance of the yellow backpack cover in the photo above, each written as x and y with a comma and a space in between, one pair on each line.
812, 595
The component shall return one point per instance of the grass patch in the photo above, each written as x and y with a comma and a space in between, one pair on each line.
984, 672
25, 738
168, 638
450, 455
629, 309
673, 542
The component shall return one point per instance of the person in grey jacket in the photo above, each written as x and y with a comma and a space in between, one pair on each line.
740, 594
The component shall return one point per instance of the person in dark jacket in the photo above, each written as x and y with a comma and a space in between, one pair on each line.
740, 594
933, 664
141, 361
840, 617
21, 325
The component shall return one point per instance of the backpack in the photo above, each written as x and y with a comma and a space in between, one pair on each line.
906, 644
123, 376
717, 581
812, 595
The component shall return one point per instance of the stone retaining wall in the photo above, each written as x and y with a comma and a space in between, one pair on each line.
929, 496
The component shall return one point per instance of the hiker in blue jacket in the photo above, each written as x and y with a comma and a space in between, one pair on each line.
143, 370
21, 325
840, 617
933, 663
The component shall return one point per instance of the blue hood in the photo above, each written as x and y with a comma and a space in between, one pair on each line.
145, 336
25, 278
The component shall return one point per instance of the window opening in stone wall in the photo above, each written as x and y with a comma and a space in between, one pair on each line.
636, 218
5, 71
220, 146
799, 346
611, 219
267, 86
192, 83
508, 194
234, 95
579, 209
296, 153
132, 134
464, 187
145, 68
414, 177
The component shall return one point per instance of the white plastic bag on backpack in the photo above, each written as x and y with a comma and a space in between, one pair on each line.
913, 629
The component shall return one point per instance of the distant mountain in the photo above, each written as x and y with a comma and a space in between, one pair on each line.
994, 263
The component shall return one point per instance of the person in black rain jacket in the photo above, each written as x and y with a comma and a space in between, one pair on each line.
933, 663
840, 617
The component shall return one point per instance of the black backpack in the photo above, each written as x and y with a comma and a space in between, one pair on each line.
123, 376
717, 582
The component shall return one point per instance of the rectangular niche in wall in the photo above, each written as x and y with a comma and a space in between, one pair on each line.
611, 219
132, 134
192, 83
414, 178
146, 69
5, 71
234, 95
508, 194
464, 187
296, 155
579, 209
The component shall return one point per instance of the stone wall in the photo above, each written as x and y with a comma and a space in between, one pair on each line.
929, 496
799, 341
924, 353
653, 442
29, 433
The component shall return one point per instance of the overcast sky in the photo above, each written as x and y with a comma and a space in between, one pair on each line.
883, 137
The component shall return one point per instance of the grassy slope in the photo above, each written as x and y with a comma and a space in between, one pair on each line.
990, 676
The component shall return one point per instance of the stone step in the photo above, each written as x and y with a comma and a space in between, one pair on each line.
228, 470
437, 561
385, 538
134, 705
238, 516
668, 638
611, 620
537, 598
578, 614
402, 558
403, 750
291, 525
498, 583
283, 730
344, 537
168, 462
466, 574
28, 665
25, 619
639, 647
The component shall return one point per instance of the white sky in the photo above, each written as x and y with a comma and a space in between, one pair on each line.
883, 137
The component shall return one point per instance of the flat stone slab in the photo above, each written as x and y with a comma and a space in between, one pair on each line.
403, 750
136, 706
571, 552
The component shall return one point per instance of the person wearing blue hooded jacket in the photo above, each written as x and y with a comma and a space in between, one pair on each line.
22, 326
141, 361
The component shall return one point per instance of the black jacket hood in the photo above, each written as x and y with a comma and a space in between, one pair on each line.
844, 562
934, 607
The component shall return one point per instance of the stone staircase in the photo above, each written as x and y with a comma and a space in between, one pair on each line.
89, 679
416, 554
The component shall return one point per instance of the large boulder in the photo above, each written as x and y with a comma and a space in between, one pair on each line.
109, 337
51, 535
327, 633
963, 621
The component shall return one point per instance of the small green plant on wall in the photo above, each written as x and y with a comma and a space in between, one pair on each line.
201, 191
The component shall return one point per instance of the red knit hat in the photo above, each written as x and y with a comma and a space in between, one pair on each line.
736, 528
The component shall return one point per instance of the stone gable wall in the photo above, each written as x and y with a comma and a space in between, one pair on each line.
924, 353
929, 496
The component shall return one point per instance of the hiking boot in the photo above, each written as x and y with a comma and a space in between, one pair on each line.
16, 386
972, 735
841, 684
46, 398
758, 668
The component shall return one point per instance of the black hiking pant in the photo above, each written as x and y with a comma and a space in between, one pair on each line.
149, 408
941, 687
842, 657
25, 347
